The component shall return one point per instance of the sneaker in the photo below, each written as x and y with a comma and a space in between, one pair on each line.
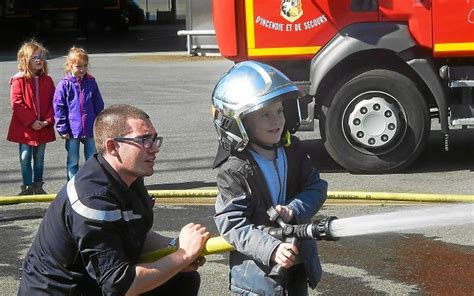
27, 190
38, 188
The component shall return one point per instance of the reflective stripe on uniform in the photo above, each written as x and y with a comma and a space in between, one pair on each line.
129, 215
85, 211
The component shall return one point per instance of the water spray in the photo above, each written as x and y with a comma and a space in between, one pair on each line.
402, 220
331, 228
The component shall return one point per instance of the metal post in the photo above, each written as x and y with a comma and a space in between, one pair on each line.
173, 9
189, 43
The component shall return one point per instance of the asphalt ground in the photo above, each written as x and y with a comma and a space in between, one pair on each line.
175, 90
436, 261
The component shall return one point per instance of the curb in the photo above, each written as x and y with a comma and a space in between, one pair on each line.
208, 197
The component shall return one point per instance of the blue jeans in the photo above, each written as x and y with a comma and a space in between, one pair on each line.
26, 153
72, 148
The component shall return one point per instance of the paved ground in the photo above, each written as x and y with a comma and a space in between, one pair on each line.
435, 261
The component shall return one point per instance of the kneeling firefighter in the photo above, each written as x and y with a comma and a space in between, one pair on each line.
255, 110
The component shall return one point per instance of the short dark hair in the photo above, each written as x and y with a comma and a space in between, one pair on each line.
112, 122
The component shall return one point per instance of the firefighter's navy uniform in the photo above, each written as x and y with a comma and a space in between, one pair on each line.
90, 237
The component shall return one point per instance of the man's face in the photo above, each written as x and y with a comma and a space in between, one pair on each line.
137, 161
266, 124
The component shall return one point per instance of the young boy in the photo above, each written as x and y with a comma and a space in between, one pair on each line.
255, 109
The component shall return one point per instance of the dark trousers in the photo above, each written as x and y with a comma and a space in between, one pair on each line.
183, 283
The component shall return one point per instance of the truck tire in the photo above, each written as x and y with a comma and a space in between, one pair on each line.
378, 121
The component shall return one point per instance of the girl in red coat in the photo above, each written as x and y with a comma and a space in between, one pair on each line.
32, 122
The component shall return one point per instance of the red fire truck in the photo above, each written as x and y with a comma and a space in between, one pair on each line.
376, 72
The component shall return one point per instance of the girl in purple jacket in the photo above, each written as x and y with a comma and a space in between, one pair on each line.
77, 101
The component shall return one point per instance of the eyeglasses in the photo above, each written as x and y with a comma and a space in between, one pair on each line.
146, 141
38, 57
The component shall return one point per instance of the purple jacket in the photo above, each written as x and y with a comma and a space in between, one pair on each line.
76, 104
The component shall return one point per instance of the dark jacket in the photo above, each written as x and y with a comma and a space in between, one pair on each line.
241, 206
76, 105
90, 237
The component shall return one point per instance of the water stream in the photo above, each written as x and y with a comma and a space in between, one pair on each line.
444, 215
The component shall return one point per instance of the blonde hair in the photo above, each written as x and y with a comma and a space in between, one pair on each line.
75, 54
25, 55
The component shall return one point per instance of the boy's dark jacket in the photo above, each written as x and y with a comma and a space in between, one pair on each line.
242, 204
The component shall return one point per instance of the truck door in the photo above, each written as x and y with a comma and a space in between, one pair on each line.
453, 28
287, 28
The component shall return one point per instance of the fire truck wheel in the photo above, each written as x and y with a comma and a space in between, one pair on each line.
377, 121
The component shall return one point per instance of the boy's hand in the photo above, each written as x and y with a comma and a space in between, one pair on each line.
64, 136
285, 213
192, 239
36, 125
285, 255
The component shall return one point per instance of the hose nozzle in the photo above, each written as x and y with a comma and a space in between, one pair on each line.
320, 229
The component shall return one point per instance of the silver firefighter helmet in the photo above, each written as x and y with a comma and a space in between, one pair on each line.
245, 88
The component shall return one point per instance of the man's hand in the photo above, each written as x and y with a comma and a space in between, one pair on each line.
285, 255
64, 136
192, 239
285, 213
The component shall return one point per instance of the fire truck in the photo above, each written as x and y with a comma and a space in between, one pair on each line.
376, 72
46, 15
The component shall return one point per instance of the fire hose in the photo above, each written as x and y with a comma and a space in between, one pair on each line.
316, 230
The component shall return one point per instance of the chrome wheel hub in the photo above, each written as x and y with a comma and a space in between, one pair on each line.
373, 122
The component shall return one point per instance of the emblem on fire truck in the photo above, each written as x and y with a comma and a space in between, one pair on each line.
291, 10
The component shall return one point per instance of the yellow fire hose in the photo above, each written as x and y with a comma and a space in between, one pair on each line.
214, 245
208, 196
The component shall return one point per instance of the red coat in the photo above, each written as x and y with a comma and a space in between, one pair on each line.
22, 99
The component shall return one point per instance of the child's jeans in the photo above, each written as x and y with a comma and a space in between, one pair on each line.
26, 153
72, 147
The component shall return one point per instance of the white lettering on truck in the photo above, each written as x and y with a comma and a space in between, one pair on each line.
315, 22
308, 25
269, 24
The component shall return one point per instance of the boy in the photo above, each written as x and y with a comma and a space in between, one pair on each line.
255, 111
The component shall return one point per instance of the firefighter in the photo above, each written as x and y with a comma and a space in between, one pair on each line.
255, 110
95, 230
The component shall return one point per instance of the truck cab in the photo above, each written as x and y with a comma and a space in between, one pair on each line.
375, 72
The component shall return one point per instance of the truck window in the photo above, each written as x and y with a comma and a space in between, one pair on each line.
364, 5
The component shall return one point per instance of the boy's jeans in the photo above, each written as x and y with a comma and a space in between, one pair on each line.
72, 147
26, 153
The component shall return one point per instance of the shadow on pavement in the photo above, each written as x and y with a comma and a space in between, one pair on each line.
156, 37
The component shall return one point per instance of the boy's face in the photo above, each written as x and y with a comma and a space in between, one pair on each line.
79, 68
266, 124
